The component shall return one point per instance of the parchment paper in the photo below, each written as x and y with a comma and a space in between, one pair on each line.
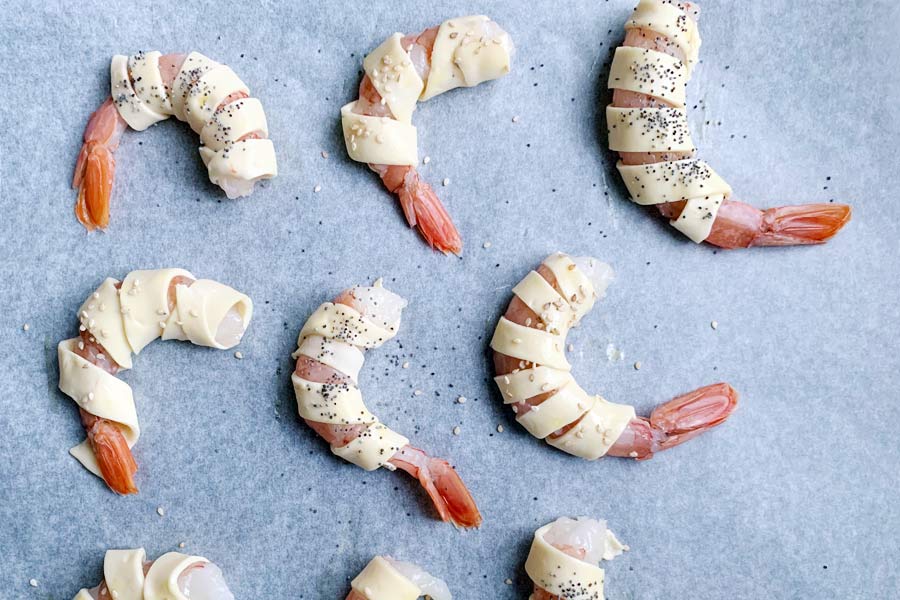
795, 497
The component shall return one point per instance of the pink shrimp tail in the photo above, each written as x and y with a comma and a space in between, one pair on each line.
796, 225
676, 422
423, 209
95, 169
689, 415
740, 225
443, 484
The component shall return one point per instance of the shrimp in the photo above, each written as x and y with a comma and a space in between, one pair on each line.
559, 547
325, 383
197, 578
548, 401
147, 88
420, 204
106, 406
736, 224
406, 579
117, 463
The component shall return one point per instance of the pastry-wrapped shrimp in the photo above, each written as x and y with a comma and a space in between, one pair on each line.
534, 376
647, 124
128, 575
386, 578
149, 87
565, 556
378, 130
121, 318
329, 357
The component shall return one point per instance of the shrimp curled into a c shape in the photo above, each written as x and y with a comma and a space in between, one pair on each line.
535, 378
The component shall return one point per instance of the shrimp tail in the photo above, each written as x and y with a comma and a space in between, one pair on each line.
689, 415
117, 465
95, 169
799, 225
443, 484
95, 173
424, 210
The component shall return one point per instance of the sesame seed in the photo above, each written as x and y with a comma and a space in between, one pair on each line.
486, 245
317, 189
160, 511
499, 428
33, 582
446, 181
461, 400
456, 430
426, 160
181, 544
508, 581
714, 324
637, 366
26, 327
571, 348
405, 365
239, 355
515, 119
417, 393
324, 154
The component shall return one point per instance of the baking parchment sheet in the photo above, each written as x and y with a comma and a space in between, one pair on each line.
796, 496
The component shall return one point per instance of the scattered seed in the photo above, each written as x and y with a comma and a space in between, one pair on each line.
515, 119
508, 581
417, 393
714, 324
461, 400
446, 181
571, 348
26, 327
499, 428
637, 366
426, 160
33, 582
160, 511
456, 430
181, 544
324, 154
484, 245
317, 189
405, 365
239, 355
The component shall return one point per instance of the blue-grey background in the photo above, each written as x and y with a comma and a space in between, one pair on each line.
795, 497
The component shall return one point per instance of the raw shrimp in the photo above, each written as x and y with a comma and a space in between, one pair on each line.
533, 374
149, 87
106, 341
406, 579
736, 224
196, 578
329, 356
420, 204
564, 559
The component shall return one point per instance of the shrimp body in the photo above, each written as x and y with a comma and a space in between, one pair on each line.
386, 577
128, 574
534, 376
647, 126
564, 559
329, 357
150, 87
378, 125
118, 320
